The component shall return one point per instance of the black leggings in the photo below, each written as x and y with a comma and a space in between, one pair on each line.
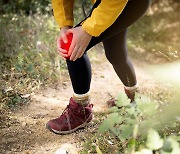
114, 41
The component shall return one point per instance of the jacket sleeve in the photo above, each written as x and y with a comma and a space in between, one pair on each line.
63, 12
103, 16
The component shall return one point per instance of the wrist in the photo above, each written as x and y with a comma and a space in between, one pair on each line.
84, 31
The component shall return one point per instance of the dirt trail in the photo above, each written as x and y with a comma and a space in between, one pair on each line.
28, 133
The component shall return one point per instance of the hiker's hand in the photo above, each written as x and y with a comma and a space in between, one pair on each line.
62, 36
79, 42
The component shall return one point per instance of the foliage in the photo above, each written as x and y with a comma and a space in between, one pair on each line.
130, 123
12, 98
25, 6
28, 52
154, 143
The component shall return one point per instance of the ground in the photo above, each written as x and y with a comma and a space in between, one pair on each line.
27, 132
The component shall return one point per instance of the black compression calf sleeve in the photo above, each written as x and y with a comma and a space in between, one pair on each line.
80, 74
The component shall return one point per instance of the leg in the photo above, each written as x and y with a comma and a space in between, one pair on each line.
80, 70
80, 74
116, 53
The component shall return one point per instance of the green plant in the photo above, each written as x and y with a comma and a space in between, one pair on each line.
28, 45
28, 54
154, 142
131, 122
25, 6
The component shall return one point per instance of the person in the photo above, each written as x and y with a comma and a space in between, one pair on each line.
108, 23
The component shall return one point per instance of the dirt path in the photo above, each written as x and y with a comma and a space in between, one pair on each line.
28, 134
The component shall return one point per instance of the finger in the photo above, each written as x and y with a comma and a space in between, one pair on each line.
59, 43
73, 55
64, 37
73, 43
63, 58
79, 52
62, 50
63, 55
71, 48
82, 52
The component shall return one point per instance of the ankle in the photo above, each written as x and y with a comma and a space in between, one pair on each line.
82, 99
130, 92
131, 89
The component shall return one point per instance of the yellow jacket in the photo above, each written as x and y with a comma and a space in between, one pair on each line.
102, 17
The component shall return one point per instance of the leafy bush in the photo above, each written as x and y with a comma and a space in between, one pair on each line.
28, 53
135, 125
28, 46
25, 6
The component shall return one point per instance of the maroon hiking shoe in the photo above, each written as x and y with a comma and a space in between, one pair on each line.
130, 95
111, 102
73, 117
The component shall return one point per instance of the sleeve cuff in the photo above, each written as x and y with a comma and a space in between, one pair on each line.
89, 28
67, 23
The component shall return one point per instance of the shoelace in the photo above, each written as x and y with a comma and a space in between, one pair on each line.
68, 111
